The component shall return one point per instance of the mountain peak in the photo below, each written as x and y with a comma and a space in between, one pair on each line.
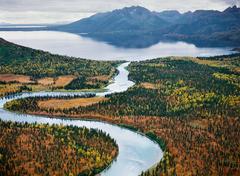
134, 18
139, 19
232, 9
134, 10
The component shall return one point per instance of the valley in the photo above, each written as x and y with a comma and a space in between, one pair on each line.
120, 88
159, 94
182, 111
142, 149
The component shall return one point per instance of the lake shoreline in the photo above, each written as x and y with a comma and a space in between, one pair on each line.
74, 45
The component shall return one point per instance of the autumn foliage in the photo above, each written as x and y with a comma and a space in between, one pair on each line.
38, 149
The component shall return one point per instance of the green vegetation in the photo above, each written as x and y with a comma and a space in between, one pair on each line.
190, 106
81, 83
54, 150
26, 61
11, 89
183, 89
231, 78
162, 168
155, 138
21, 61
30, 104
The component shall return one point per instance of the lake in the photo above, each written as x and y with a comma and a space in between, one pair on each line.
78, 46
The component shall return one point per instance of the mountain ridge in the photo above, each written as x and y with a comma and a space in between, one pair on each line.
126, 19
209, 27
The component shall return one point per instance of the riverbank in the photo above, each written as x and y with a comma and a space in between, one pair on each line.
195, 111
192, 104
24, 69
143, 149
173, 132
88, 151
123, 122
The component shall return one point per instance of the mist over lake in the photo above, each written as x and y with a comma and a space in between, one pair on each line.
78, 46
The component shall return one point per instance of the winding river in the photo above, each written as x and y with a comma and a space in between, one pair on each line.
137, 153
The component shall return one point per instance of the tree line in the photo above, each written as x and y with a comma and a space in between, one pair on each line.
54, 149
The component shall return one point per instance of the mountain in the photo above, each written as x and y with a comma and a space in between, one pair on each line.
236, 49
133, 24
133, 18
170, 16
207, 27
207, 21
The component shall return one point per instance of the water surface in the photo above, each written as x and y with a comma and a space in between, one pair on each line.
75, 45
137, 153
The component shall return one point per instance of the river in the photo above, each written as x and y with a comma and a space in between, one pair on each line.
137, 153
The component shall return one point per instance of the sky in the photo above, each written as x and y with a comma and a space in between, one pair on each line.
63, 11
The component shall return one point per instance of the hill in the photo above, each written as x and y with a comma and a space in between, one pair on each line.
39, 70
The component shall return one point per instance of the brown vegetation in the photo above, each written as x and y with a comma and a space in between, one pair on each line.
100, 78
64, 104
30, 149
9, 89
198, 146
147, 85
46, 81
62, 81
193, 105
15, 78
58, 82
196, 112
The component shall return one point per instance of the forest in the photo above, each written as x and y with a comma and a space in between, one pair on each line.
203, 91
11, 89
42, 149
82, 83
192, 104
39, 70
26, 61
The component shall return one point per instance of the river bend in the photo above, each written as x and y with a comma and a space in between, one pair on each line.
137, 153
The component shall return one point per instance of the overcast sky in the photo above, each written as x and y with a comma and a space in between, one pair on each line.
51, 11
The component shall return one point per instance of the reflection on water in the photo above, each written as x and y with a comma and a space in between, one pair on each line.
78, 46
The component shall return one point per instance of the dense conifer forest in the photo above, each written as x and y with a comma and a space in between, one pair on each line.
26, 61
39, 70
41, 149
192, 104
177, 87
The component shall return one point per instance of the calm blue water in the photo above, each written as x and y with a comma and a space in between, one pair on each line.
74, 45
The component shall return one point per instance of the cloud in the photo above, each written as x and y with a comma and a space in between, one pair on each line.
230, 2
48, 11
